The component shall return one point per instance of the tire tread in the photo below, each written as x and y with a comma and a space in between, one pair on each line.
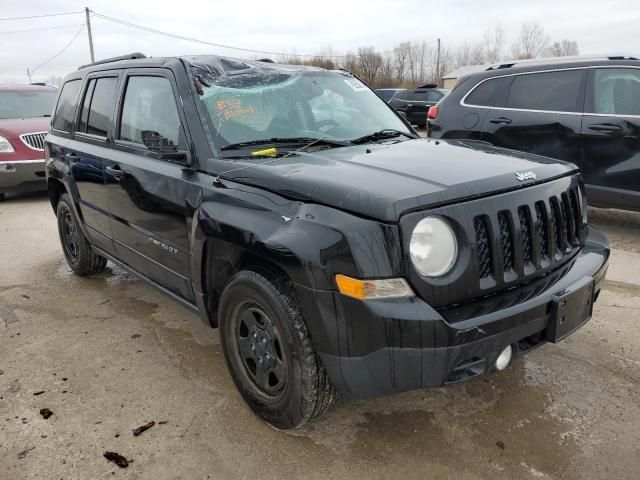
320, 394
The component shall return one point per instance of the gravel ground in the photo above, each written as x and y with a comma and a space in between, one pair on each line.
110, 354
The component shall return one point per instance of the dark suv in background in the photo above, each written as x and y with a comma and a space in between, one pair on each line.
414, 103
581, 110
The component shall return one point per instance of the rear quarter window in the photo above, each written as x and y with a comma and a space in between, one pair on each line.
403, 95
66, 108
490, 93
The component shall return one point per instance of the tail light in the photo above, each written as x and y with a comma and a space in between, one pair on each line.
432, 114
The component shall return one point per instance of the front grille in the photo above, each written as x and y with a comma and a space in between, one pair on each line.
542, 232
483, 245
529, 236
34, 140
506, 242
525, 235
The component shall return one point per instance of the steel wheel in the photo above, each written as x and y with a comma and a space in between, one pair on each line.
259, 348
70, 239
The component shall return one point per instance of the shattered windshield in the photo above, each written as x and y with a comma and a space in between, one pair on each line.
310, 104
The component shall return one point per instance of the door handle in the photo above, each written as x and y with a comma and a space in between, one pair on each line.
115, 171
605, 127
500, 121
72, 157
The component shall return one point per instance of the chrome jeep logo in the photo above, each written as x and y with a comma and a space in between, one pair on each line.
522, 176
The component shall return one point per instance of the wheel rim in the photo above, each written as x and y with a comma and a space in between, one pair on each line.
259, 349
70, 239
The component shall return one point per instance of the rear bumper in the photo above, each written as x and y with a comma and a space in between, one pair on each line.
22, 176
390, 347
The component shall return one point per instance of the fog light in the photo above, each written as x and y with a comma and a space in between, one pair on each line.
504, 358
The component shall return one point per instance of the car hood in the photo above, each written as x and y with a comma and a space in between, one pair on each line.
383, 181
17, 126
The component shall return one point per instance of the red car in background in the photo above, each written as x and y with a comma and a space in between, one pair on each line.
25, 112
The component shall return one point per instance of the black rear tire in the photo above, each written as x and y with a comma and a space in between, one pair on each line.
264, 302
77, 250
2, 197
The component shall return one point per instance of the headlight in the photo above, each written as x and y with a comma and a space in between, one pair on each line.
433, 247
5, 145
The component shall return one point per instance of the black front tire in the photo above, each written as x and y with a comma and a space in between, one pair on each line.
77, 250
307, 392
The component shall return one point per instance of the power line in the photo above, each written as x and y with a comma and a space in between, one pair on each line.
220, 45
60, 52
43, 28
196, 40
40, 16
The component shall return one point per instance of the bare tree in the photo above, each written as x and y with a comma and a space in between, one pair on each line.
369, 63
414, 63
564, 48
494, 39
387, 71
531, 42
350, 63
470, 55
401, 56
418, 67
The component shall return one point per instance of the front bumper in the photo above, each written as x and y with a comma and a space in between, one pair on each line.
375, 348
22, 176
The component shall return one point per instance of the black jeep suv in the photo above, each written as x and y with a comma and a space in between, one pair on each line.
414, 103
295, 210
581, 110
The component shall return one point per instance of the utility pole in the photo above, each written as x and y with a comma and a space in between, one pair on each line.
86, 11
437, 65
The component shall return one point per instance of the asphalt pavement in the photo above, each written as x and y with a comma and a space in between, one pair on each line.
108, 354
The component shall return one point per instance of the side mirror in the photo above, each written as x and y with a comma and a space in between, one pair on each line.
165, 148
181, 157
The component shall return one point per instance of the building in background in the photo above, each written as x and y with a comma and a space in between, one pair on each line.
449, 80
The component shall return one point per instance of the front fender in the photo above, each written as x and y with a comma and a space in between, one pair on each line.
311, 243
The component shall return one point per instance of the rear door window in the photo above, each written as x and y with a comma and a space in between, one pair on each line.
617, 91
101, 106
548, 91
84, 112
66, 108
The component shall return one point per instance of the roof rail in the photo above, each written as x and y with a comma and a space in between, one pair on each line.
130, 56
567, 59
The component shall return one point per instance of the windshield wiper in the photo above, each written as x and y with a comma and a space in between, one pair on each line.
285, 141
385, 134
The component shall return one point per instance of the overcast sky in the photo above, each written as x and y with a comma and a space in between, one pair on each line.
296, 26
